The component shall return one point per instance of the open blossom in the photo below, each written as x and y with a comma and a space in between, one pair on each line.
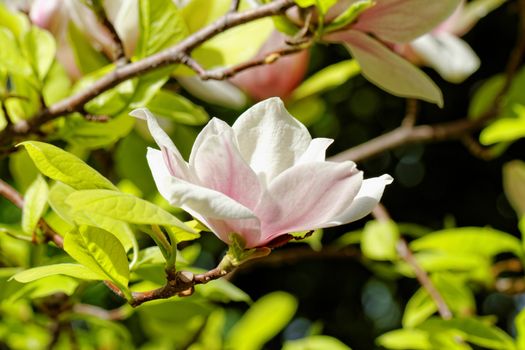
262, 178
385, 24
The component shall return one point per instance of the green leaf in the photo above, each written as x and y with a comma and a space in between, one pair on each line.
475, 332
456, 293
122, 206
87, 58
223, 291
514, 185
484, 97
56, 84
327, 78
315, 342
267, 317
481, 241
349, 15
379, 240
22, 169
177, 108
235, 45
101, 252
11, 58
35, 204
57, 200
120, 229
161, 26
183, 235
15, 22
39, 47
308, 110
92, 135
402, 339
322, 5
505, 129
418, 309
519, 322
64, 167
67, 269
44, 287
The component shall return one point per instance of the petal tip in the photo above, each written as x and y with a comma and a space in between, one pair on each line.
140, 113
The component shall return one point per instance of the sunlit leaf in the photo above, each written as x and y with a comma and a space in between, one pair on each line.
101, 252
379, 240
161, 25
67, 269
475, 332
22, 169
64, 167
505, 129
177, 108
315, 342
91, 135
122, 206
265, 318
402, 339
35, 204
39, 47
87, 58
327, 78
419, 308
482, 241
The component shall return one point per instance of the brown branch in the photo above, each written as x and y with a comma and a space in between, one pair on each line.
223, 73
408, 135
14, 197
164, 58
381, 214
404, 252
182, 284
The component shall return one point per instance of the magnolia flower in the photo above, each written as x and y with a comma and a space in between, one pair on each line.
262, 178
385, 24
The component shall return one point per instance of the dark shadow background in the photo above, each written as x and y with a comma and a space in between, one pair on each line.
434, 184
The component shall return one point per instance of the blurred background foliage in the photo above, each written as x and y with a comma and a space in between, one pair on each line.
458, 208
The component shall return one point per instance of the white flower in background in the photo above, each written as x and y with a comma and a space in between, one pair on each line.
262, 178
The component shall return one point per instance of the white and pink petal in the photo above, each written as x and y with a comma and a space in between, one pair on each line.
269, 138
307, 196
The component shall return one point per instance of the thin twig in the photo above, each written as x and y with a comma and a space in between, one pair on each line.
381, 214
411, 113
423, 278
223, 73
234, 6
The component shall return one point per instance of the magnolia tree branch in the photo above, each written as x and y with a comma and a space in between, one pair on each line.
172, 55
224, 73
404, 252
